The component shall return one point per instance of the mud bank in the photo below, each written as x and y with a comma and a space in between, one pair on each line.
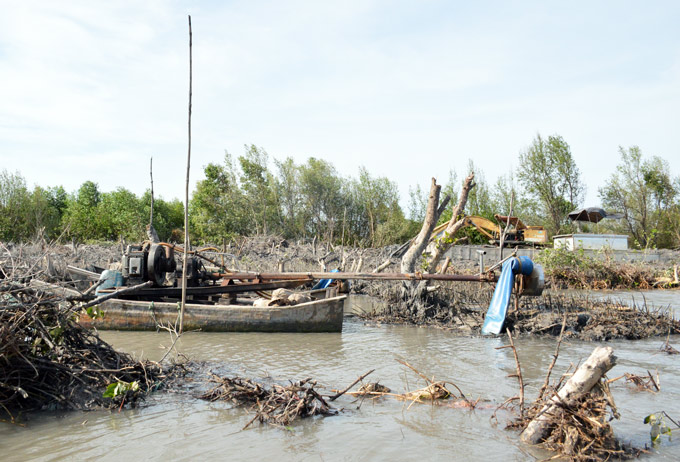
461, 308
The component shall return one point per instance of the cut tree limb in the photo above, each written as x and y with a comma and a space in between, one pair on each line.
599, 363
384, 265
152, 234
445, 266
454, 224
412, 255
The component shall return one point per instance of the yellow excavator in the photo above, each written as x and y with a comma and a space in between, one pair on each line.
518, 232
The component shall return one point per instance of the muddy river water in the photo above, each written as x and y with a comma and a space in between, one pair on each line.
176, 426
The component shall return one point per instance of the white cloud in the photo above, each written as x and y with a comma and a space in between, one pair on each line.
409, 89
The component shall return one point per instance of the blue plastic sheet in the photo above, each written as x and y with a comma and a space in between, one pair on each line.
495, 316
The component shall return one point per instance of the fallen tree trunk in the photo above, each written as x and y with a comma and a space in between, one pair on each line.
601, 360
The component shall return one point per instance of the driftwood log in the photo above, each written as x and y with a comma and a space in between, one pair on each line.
601, 360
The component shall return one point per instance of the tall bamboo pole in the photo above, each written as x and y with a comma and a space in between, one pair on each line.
151, 175
186, 199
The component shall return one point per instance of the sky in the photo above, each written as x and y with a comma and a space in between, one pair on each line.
91, 90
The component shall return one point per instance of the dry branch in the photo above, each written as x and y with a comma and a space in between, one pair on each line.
117, 293
554, 360
340, 393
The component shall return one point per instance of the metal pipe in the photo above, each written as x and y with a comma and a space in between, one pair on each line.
481, 260
486, 277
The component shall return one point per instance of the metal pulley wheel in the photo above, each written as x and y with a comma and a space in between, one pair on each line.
155, 264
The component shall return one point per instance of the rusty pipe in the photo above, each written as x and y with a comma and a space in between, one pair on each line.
486, 277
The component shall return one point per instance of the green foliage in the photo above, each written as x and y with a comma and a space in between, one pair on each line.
80, 215
643, 191
524, 206
47, 206
260, 191
14, 207
312, 200
554, 260
378, 217
91, 215
479, 200
289, 197
323, 201
659, 426
121, 214
472, 236
218, 206
168, 216
94, 312
549, 175
417, 204
26, 214
577, 269
120, 389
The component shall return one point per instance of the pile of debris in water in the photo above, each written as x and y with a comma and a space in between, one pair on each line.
49, 361
280, 405
461, 307
592, 320
277, 404
571, 417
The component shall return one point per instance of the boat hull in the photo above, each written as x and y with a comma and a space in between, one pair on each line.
323, 315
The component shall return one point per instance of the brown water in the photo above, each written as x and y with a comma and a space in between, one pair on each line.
178, 427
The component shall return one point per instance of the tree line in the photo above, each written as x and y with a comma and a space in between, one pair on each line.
253, 194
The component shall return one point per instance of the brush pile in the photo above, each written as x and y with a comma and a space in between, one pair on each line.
49, 361
461, 306
278, 405
572, 417
589, 319
576, 270
581, 429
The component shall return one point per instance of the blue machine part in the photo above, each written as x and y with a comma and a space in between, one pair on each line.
111, 279
324, 283
495, 316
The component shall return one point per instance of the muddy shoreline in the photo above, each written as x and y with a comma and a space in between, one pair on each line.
458, 307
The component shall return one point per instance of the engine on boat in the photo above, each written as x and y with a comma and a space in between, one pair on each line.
156, 262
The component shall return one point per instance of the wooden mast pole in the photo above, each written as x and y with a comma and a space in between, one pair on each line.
186, 200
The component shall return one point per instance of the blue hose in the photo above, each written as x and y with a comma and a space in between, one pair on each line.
324, 283
495, 316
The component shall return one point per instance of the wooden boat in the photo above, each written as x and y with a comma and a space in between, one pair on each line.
323, 314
